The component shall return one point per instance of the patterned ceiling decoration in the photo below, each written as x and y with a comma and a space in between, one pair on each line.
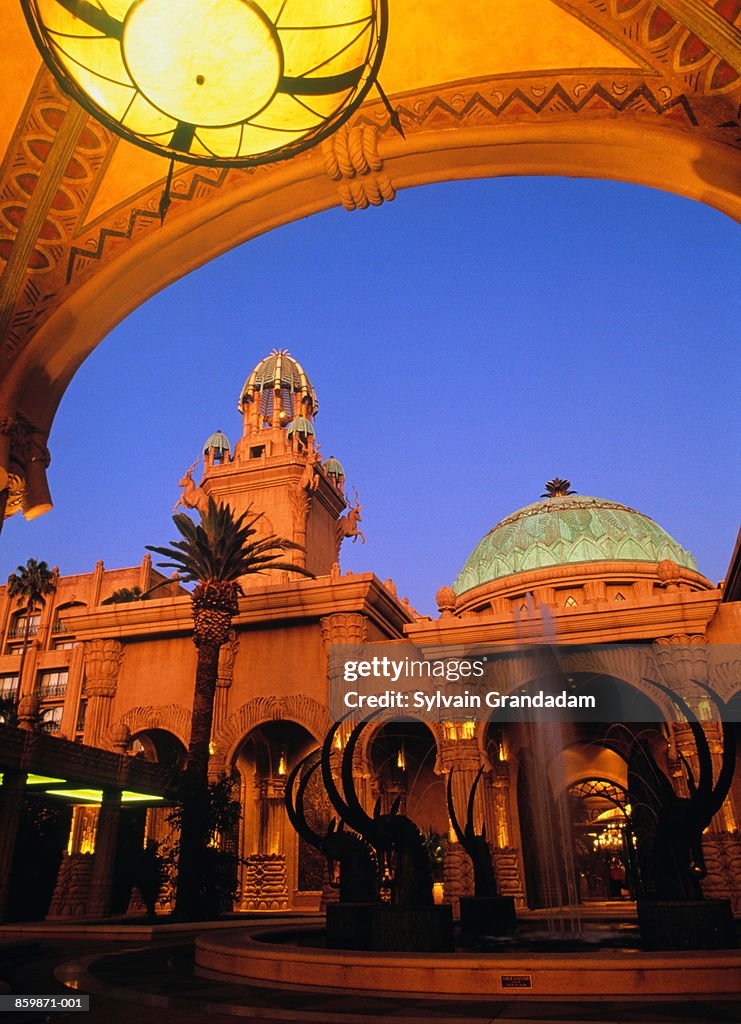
78, 206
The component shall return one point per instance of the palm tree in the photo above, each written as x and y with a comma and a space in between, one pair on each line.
124, 595
31, 584
214, 554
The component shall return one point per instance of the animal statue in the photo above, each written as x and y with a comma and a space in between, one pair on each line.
402, 856
476, 846
192, 496
346, 853
347, 525
309, 480
669, 827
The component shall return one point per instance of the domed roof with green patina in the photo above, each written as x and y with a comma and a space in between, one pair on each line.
219, 442
565, 528
300, 426
279, 372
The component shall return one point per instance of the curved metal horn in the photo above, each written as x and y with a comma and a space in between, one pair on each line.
705, 777
470, 831
358, 818
451, 812
335, 798
728, 761
295, 810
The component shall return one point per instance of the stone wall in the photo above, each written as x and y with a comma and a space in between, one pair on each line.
73, 883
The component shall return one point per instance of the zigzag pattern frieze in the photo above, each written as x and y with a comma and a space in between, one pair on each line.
556, 97
556, 94
198, 187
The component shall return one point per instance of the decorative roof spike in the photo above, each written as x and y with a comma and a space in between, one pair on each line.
557, 488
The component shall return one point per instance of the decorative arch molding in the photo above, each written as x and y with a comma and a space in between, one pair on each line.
361, 760
673, 665
298, 708
536, 128
172, 718
606, 765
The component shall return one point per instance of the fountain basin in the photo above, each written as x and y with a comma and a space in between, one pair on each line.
273, 956
384, 928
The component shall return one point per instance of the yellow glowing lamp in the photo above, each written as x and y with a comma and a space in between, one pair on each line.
220, 82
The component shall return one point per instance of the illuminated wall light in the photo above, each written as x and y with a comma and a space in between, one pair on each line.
95, 796
218, 82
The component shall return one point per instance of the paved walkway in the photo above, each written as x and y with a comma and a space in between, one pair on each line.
155, 985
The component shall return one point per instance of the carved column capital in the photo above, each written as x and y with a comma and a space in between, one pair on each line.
344, 628
461, 754
28, 712
681, 659
102, 664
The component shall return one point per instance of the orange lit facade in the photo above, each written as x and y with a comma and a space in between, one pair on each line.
119, 676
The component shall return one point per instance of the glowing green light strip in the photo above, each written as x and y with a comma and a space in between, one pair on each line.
95, 796
37, 780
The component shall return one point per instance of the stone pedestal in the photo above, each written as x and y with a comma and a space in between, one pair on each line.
71, 891
264, 882
690, 924
381, 928
487, 915
349, 925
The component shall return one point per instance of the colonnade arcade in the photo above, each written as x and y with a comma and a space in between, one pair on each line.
259, 744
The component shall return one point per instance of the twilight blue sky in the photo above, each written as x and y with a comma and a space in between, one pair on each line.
467, 342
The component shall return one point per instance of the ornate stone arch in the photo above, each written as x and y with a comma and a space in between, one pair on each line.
172, 718
660, 108
297, 708
361, 759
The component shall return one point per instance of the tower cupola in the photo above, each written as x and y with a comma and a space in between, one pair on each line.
301, 429
277, 392
217, 447
335, 471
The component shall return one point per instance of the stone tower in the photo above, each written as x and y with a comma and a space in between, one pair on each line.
275, 466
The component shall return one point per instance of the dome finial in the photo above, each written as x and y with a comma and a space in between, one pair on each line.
557, 488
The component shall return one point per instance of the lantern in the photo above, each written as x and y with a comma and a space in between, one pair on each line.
219, 82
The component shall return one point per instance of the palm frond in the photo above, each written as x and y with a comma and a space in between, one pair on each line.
224, 547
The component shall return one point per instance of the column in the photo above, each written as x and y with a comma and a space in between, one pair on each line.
102, 665
506, 854
72, 702
11, 809
227, 657
460, 754
106, 838
349, 629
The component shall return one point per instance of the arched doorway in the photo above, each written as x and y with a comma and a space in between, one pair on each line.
602, 840
573, 808
401, 759
276, 870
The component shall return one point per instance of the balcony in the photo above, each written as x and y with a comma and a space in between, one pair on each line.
51, 725
48, 690
18, 632
60, 626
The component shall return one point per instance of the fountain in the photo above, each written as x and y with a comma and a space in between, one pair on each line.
385, 918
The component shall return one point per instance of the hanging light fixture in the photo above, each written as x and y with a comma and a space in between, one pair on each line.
219, 82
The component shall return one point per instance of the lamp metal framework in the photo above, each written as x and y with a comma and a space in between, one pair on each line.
230, 83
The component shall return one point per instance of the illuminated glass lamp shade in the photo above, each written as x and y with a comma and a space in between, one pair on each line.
220, 82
